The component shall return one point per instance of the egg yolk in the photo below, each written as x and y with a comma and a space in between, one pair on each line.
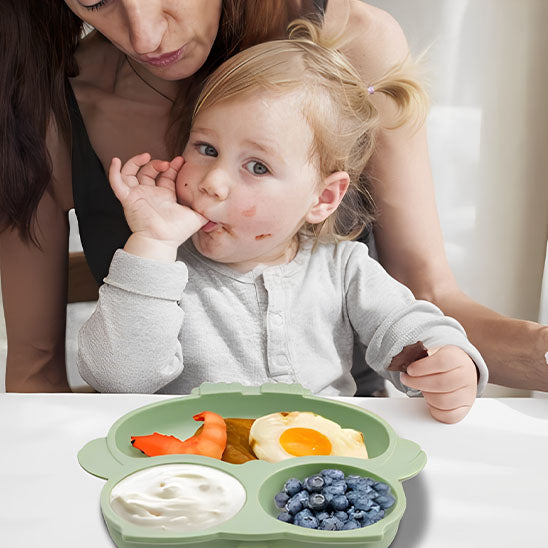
302, 442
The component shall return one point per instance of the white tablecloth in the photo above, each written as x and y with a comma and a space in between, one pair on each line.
485, 483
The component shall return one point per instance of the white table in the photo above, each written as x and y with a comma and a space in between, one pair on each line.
485, 483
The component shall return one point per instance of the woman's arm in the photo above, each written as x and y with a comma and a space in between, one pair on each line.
34, 294
34, 285
408, 234
410, 247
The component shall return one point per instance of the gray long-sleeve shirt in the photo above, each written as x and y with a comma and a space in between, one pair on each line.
168, 327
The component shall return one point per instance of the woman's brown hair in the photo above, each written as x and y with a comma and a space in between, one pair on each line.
37, 43
38, 39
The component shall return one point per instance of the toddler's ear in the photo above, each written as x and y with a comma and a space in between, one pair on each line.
332, 190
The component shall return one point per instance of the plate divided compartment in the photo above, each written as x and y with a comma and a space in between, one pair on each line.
391, 460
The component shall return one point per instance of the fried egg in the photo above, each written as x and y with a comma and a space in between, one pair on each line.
280, 436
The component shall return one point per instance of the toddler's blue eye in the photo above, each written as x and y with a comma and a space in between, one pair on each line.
207, 150
257, 168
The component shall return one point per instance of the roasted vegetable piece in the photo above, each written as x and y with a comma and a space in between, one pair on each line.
210, 442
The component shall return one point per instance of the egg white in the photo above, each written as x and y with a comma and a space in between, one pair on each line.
266, 431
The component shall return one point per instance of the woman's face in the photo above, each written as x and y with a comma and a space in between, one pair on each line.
170, 38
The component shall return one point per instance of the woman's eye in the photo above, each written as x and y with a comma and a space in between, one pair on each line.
257, 168
97, 6
207, 150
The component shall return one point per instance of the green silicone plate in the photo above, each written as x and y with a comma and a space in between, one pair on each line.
391, 459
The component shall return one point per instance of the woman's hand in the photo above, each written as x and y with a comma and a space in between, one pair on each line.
146, 190
448, 381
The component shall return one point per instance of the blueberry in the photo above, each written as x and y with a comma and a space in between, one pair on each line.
353, 496
293, 505
333, 473
339, 502
353, 481
306, 521
285, 517
365, 489
385, 501
336, 488
381, 487
357, 483
327, 480
303, 513
358, 515
281, 499
314, 484
320, 516
363, 503
374, 515
303, 496
328, 496
293, 486
351, 524
343, 516
317, 501
331, 524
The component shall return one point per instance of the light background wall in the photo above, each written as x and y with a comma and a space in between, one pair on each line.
488, 135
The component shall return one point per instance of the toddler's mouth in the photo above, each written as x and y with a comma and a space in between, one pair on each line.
210, 226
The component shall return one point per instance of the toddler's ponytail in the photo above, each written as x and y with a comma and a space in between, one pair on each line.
346, 127
401, 85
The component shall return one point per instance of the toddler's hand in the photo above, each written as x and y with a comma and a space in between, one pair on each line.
146, 190
448, 381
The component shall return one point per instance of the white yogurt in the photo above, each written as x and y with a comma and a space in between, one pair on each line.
178, 497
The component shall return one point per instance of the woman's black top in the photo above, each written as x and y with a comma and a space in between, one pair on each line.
103, 227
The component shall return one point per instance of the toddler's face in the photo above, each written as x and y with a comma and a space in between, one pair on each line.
248, 170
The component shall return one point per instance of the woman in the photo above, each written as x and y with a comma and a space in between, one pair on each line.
149, 59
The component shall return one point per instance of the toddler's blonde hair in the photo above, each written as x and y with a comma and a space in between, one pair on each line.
335, 101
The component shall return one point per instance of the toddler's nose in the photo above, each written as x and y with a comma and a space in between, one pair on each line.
215, 184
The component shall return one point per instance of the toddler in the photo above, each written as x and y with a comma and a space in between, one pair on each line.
240, 266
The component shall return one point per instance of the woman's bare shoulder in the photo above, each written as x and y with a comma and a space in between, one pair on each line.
377, 41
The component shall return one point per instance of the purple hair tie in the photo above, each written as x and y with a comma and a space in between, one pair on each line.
371, 90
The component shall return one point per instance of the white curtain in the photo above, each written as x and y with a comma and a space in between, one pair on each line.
488, 133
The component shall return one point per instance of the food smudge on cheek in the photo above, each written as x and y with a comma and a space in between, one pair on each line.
249, 212
262, 236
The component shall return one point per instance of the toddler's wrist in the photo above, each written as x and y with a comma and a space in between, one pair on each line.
151, 248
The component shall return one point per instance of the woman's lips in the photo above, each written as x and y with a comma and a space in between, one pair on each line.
165, 59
